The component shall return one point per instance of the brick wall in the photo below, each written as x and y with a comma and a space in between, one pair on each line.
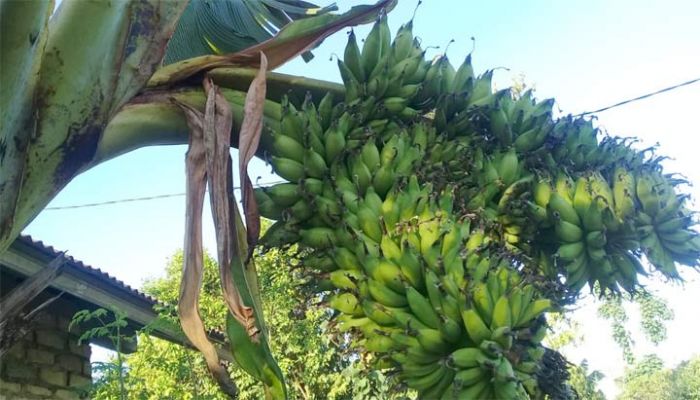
47, 363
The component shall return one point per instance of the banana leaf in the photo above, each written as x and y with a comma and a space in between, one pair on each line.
294, 39
229, 26
209, 162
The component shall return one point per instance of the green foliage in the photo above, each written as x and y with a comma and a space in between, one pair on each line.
317, 361
179, 373
308, 353
370, 384
686, 378
613, 310
219, 27
656, 386
108, 325
655, 313
646, 366
585, 382
566, 332
648, 380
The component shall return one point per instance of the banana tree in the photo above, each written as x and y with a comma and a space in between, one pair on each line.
86, 83
444, 218
93, 80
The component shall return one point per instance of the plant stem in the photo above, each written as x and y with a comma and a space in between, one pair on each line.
278, 84
153, 120
120, 362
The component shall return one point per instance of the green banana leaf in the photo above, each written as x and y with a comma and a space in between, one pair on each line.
254, 357
294, 39
229, 26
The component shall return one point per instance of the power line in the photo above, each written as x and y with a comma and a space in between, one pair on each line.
640, 97
144, 198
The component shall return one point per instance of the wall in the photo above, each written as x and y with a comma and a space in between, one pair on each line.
47, 363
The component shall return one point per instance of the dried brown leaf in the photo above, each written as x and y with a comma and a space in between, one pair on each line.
218, 121
192, 271
248, 141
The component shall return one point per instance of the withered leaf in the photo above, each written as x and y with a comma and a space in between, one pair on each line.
192, 270
218, 121
248, 141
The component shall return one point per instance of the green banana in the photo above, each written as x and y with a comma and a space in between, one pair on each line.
476, 328
421, 308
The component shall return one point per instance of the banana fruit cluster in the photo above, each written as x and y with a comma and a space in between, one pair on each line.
426, 205
664, 224
454, 326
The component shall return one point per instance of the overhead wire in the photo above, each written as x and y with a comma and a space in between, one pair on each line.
143, 198
642, 97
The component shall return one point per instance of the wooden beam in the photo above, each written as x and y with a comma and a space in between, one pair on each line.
76, 282
15, 301
15, 328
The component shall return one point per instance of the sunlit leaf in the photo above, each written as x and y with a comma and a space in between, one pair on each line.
296, 38
228, 26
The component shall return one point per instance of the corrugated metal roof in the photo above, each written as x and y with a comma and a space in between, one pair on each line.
50, 251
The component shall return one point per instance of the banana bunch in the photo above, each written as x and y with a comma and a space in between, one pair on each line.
424, 202
401, 283
574, 143
417, 301
328, 173
499, 190
387, 75
664, 224
500, 323
460, 99
592, 241
522, 123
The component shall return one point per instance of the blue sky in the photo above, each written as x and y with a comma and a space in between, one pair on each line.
586, 54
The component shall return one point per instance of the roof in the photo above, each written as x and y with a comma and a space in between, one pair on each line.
27, 256
118, 284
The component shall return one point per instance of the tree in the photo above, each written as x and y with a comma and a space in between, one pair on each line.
442, 218
88, 83
316, 360
565, 333
648, 379
585, 382
654, 313
76, 82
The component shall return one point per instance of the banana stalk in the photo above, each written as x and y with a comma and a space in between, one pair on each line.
77, 72
64, 94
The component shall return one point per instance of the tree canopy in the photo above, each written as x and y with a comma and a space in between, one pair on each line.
316, 359
648, 379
